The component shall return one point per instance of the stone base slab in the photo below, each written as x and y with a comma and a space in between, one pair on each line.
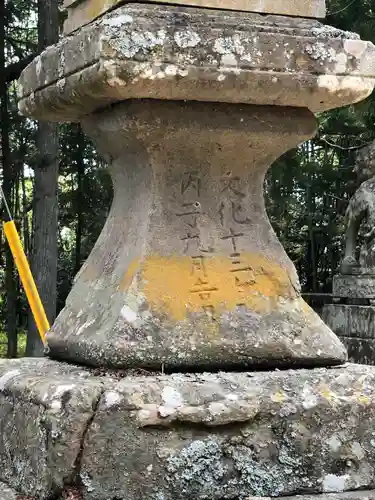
160, 52
354, 286
355, 326
81, 12
197, 436
350, 321
45, 409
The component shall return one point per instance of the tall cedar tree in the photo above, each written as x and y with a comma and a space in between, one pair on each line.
45, 207
8, 176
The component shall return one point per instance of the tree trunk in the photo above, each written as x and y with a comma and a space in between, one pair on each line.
79, 198
45, 210
25, 221
10, 279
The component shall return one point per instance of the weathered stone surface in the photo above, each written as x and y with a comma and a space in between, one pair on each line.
349, 495
360, 286
197, 436
350, 321
45, 409
188, 271
81, 12
355, 326
7, 493
233, 435
143, 51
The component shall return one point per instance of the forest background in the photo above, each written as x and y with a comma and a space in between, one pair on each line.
60, 193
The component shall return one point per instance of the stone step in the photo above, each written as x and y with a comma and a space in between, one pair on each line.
356, 286
202, 436
348, 320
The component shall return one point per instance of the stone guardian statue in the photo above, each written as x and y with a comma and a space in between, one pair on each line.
361, 213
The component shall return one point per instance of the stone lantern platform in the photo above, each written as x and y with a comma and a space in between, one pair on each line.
206, 436
188, 285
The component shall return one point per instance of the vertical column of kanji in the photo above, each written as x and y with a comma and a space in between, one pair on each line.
241, 273
201, 288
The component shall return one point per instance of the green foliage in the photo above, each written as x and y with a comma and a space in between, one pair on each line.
21, 344
308, 189
87, 200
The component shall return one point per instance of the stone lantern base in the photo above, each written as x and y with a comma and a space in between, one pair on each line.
197, 436
190, 107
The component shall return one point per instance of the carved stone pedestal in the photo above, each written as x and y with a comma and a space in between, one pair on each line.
188, 272
352, 317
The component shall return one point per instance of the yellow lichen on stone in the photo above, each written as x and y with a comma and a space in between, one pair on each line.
327, 394
279, 397
97, 7
129, 275
176, 286
363, 399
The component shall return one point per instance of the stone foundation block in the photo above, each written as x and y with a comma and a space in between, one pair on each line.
45, 409
350, 321
233, 435
354, 286
350, 495
196, 436
355, 326
7, 493
81, 12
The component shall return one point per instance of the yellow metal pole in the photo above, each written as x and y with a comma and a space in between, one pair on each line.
27, 279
